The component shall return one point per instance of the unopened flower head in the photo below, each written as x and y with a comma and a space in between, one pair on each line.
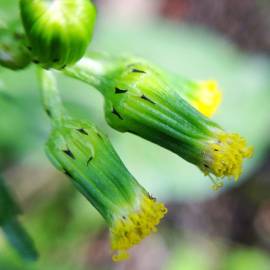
59, 32
140, 99
83, 153
203, 95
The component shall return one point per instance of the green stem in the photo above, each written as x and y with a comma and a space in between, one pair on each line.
92, 70
19, 239
50, 95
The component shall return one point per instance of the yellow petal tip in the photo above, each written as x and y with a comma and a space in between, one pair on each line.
131, 229
208, 98
225, 155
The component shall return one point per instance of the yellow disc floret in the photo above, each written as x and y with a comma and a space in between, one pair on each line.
208, 98
224, 156
128, 230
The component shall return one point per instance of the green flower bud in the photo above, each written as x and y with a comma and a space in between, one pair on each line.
84, 154
58, 31
12, 228
142, 99
13, 53
203, 95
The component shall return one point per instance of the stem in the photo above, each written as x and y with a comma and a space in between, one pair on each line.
92, 70
50, 96
19, 239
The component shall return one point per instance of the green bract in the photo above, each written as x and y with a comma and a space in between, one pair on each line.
58, 31
83, 153
79, 150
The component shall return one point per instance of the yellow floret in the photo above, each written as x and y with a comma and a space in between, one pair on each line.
208, 98
224, 157
131, 229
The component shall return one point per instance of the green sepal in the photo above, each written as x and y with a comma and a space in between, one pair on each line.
84, 154
187, 88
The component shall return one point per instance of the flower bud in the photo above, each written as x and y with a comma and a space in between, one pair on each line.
205, 96
141, 99
84, 154
58, 31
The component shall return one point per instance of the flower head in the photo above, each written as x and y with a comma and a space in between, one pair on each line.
83, 153
205, 96
58, 31
141, 99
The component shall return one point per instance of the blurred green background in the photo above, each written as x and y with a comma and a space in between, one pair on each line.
226, 40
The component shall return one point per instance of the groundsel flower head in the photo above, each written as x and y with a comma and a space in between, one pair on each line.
141, 99
58, 32
83, 153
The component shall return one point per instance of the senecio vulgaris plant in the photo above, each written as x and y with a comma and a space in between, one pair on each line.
141, 98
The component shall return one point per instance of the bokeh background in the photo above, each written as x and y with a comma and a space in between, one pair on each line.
226, 40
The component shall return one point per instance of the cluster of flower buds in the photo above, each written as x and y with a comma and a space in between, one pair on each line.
140, 98
12, 228
144, 100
